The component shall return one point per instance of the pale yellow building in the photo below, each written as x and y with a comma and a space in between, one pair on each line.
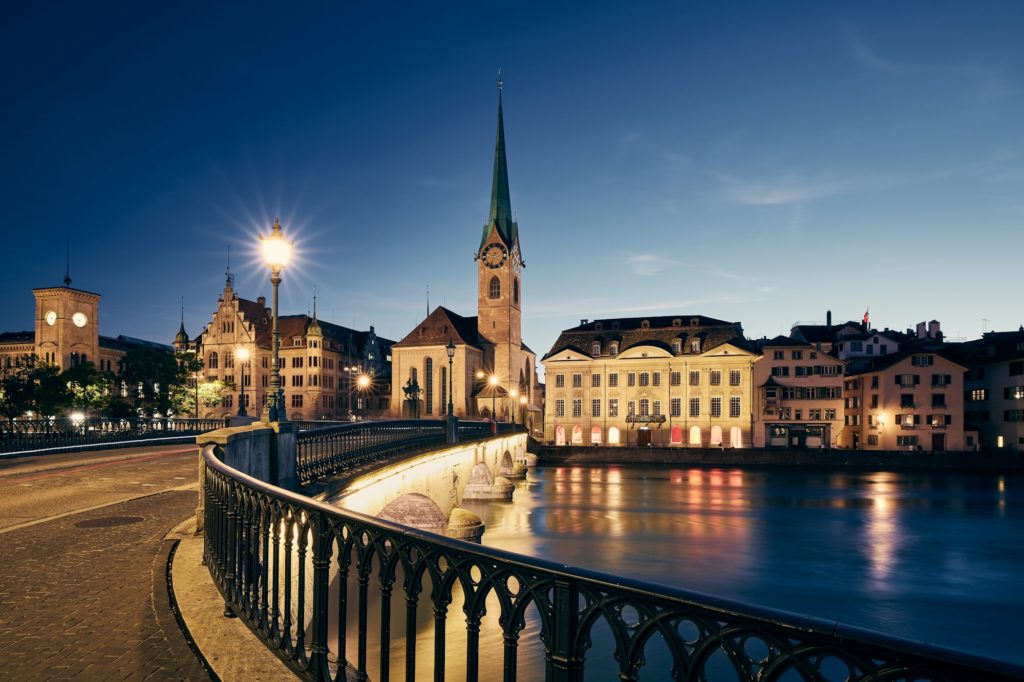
493, 371
665, 381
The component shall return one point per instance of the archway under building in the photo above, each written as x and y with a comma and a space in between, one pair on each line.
695, 437
736, 437
559, 435
613, 435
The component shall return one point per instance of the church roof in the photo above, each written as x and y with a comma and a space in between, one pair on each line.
500, 217
441, 326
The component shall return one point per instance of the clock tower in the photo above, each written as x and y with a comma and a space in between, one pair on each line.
499, 276
67, 326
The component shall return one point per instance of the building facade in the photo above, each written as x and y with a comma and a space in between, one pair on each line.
67, 332
666, 381
493, 372
321, 363
799, 397
994, 388
911, 400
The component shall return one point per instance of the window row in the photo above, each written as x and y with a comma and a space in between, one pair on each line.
652, 379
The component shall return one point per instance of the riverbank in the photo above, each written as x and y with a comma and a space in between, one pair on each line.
991, 461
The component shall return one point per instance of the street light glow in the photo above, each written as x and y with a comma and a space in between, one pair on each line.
276, 249
363, 381
493, 380
242, 354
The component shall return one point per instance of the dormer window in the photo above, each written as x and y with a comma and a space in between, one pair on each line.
598, 326
595, 348
615, 325
613, 349
694, 322
677, 322
694, 345
645, 324
677, 346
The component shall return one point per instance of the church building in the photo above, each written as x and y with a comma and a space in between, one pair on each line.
493, 371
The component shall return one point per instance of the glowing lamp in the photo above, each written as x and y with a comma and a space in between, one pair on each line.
276, 249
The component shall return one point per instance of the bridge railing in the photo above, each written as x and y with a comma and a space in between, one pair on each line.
327, 450
283, 563
41, 434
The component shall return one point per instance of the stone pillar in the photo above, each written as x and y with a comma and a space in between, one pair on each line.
283, 455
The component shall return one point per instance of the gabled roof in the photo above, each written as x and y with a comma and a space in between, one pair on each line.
785, 342
823, 333
441, 326
660, 331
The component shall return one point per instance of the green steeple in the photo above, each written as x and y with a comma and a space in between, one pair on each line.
501, 217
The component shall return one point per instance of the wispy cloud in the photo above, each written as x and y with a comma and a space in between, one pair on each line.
866, 55
787, 188
598, 308
648, 264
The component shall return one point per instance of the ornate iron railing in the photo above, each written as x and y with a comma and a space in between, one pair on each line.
299, 571
328, 450
44, 434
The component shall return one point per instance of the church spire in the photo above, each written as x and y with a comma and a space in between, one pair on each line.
500, 216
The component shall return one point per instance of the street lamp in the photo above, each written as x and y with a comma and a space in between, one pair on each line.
364, 383
276, 250
513, 394
243, 357
493, 381
450, 349
522, 409
350, 370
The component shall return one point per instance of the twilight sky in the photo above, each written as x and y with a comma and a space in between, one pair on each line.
759, 162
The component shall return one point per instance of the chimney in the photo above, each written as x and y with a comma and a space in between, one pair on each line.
583, 321
262, 300
922, 331
828, 319
933, 330
371, 329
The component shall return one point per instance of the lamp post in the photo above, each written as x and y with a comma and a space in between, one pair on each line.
513, 394
276, 250
522, 408
450, 349
493, 381
350, 370
364, 383
243, 357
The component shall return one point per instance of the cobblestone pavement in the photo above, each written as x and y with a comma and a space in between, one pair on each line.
84, 596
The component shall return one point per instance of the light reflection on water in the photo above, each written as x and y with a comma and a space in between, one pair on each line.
935, 557
930, 556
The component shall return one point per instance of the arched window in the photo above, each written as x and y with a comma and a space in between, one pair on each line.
559, 435
595, 435
613, 349
677, 435
428, 374
595, 348
613, 436
677, 346
515, 291
211, 361
694, 435
577, 435
736, 437
495, 288
645, 407
716, 435
694, 345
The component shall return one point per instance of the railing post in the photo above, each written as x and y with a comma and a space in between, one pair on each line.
562, 664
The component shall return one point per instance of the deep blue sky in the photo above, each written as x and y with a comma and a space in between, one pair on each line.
757, 162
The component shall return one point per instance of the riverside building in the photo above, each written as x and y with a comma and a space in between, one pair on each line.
682, 381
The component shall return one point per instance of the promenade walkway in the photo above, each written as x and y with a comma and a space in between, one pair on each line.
83, 565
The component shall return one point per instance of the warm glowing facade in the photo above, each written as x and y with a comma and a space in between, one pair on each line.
67, 332
665, 381
321, 363
493, 372
799, 396
911, 400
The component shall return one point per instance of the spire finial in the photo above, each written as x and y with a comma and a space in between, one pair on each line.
500, 82
314, 301
428, 300
182, 311
227, 271
67, 263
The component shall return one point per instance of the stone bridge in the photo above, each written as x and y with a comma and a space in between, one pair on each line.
426, 491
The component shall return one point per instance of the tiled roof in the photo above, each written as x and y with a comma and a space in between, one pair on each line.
440, 326
877, 364
17, 337
659, 331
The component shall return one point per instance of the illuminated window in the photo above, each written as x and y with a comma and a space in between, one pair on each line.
613, 407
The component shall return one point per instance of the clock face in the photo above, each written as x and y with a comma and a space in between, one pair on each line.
79, 319
495, 255
51, 318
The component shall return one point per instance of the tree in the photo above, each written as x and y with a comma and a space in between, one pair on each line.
17, 387
88, 388
155, 380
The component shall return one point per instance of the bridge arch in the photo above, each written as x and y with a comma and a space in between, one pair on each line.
416, 510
